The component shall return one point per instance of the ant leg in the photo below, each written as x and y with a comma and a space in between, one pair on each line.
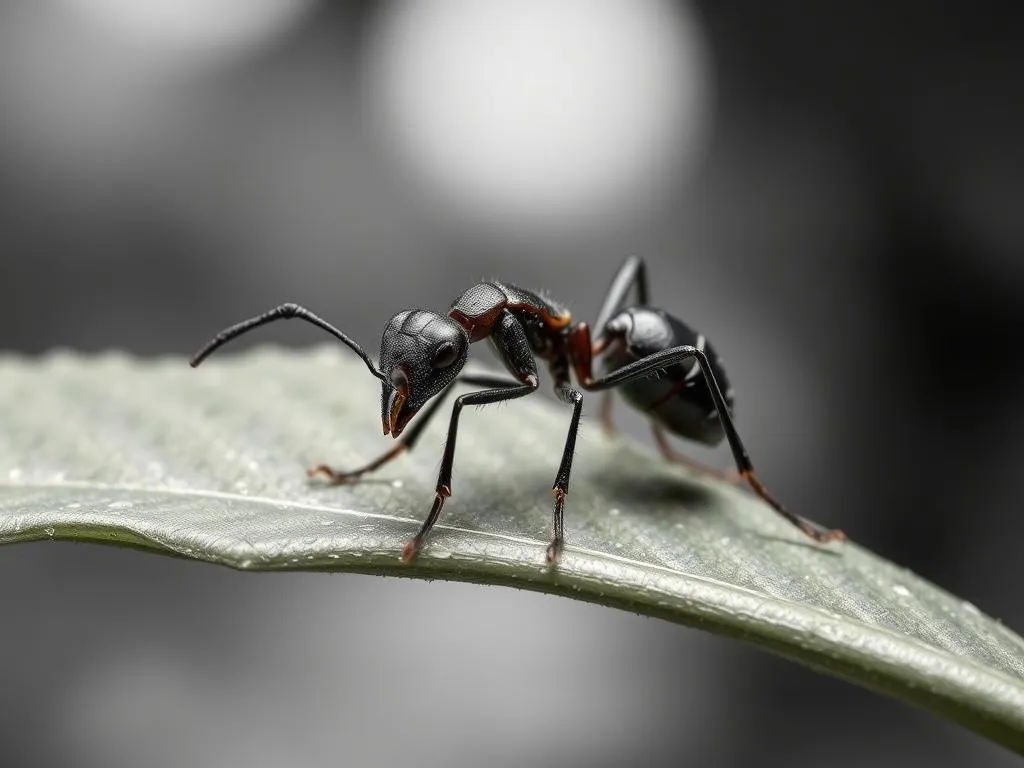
339, 477
561, 486
408, 440
444, 477
513, 347
659, 361
632, 272
676, 457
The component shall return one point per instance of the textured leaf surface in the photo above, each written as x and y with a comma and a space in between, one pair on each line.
208, 464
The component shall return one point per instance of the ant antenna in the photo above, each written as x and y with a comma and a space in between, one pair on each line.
283, 312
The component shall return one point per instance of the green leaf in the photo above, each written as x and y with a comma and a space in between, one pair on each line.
208, 464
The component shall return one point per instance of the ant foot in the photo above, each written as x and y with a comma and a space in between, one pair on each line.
410, 550
554, 551
333, 476
823, 535
830, 535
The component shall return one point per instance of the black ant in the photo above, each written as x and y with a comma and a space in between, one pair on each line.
655, 359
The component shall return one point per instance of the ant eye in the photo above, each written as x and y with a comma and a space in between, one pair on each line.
444, 356
398, 378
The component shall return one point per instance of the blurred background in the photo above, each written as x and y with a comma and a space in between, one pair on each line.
832, 192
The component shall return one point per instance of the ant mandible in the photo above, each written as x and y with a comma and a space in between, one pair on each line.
653, 358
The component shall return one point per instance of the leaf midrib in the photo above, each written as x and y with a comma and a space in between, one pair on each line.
808, 610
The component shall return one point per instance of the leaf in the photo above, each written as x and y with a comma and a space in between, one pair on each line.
208, 464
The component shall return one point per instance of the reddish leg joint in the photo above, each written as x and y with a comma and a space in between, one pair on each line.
415, 544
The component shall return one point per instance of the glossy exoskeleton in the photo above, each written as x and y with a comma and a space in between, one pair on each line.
657, 363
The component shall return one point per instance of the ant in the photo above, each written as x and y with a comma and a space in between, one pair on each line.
661, 366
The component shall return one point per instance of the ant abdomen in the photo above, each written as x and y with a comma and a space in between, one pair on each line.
678, 398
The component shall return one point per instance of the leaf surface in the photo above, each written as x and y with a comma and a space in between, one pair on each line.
209, 464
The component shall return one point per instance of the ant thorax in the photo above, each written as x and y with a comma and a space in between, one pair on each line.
546, 344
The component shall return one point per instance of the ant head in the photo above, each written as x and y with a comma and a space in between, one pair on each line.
421, 353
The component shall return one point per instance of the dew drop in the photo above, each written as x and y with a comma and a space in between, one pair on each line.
119, 505
49, 532
900, 590
74, 505
724, 540
14, 474
254, 465
334, 555
441, 554
245, 564
326, 522
396, 483
614, 511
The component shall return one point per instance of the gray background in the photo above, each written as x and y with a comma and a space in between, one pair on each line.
848, 233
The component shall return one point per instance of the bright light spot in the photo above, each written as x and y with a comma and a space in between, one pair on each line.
539, 113
207, 28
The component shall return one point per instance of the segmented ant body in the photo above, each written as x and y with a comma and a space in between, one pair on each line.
656, 362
